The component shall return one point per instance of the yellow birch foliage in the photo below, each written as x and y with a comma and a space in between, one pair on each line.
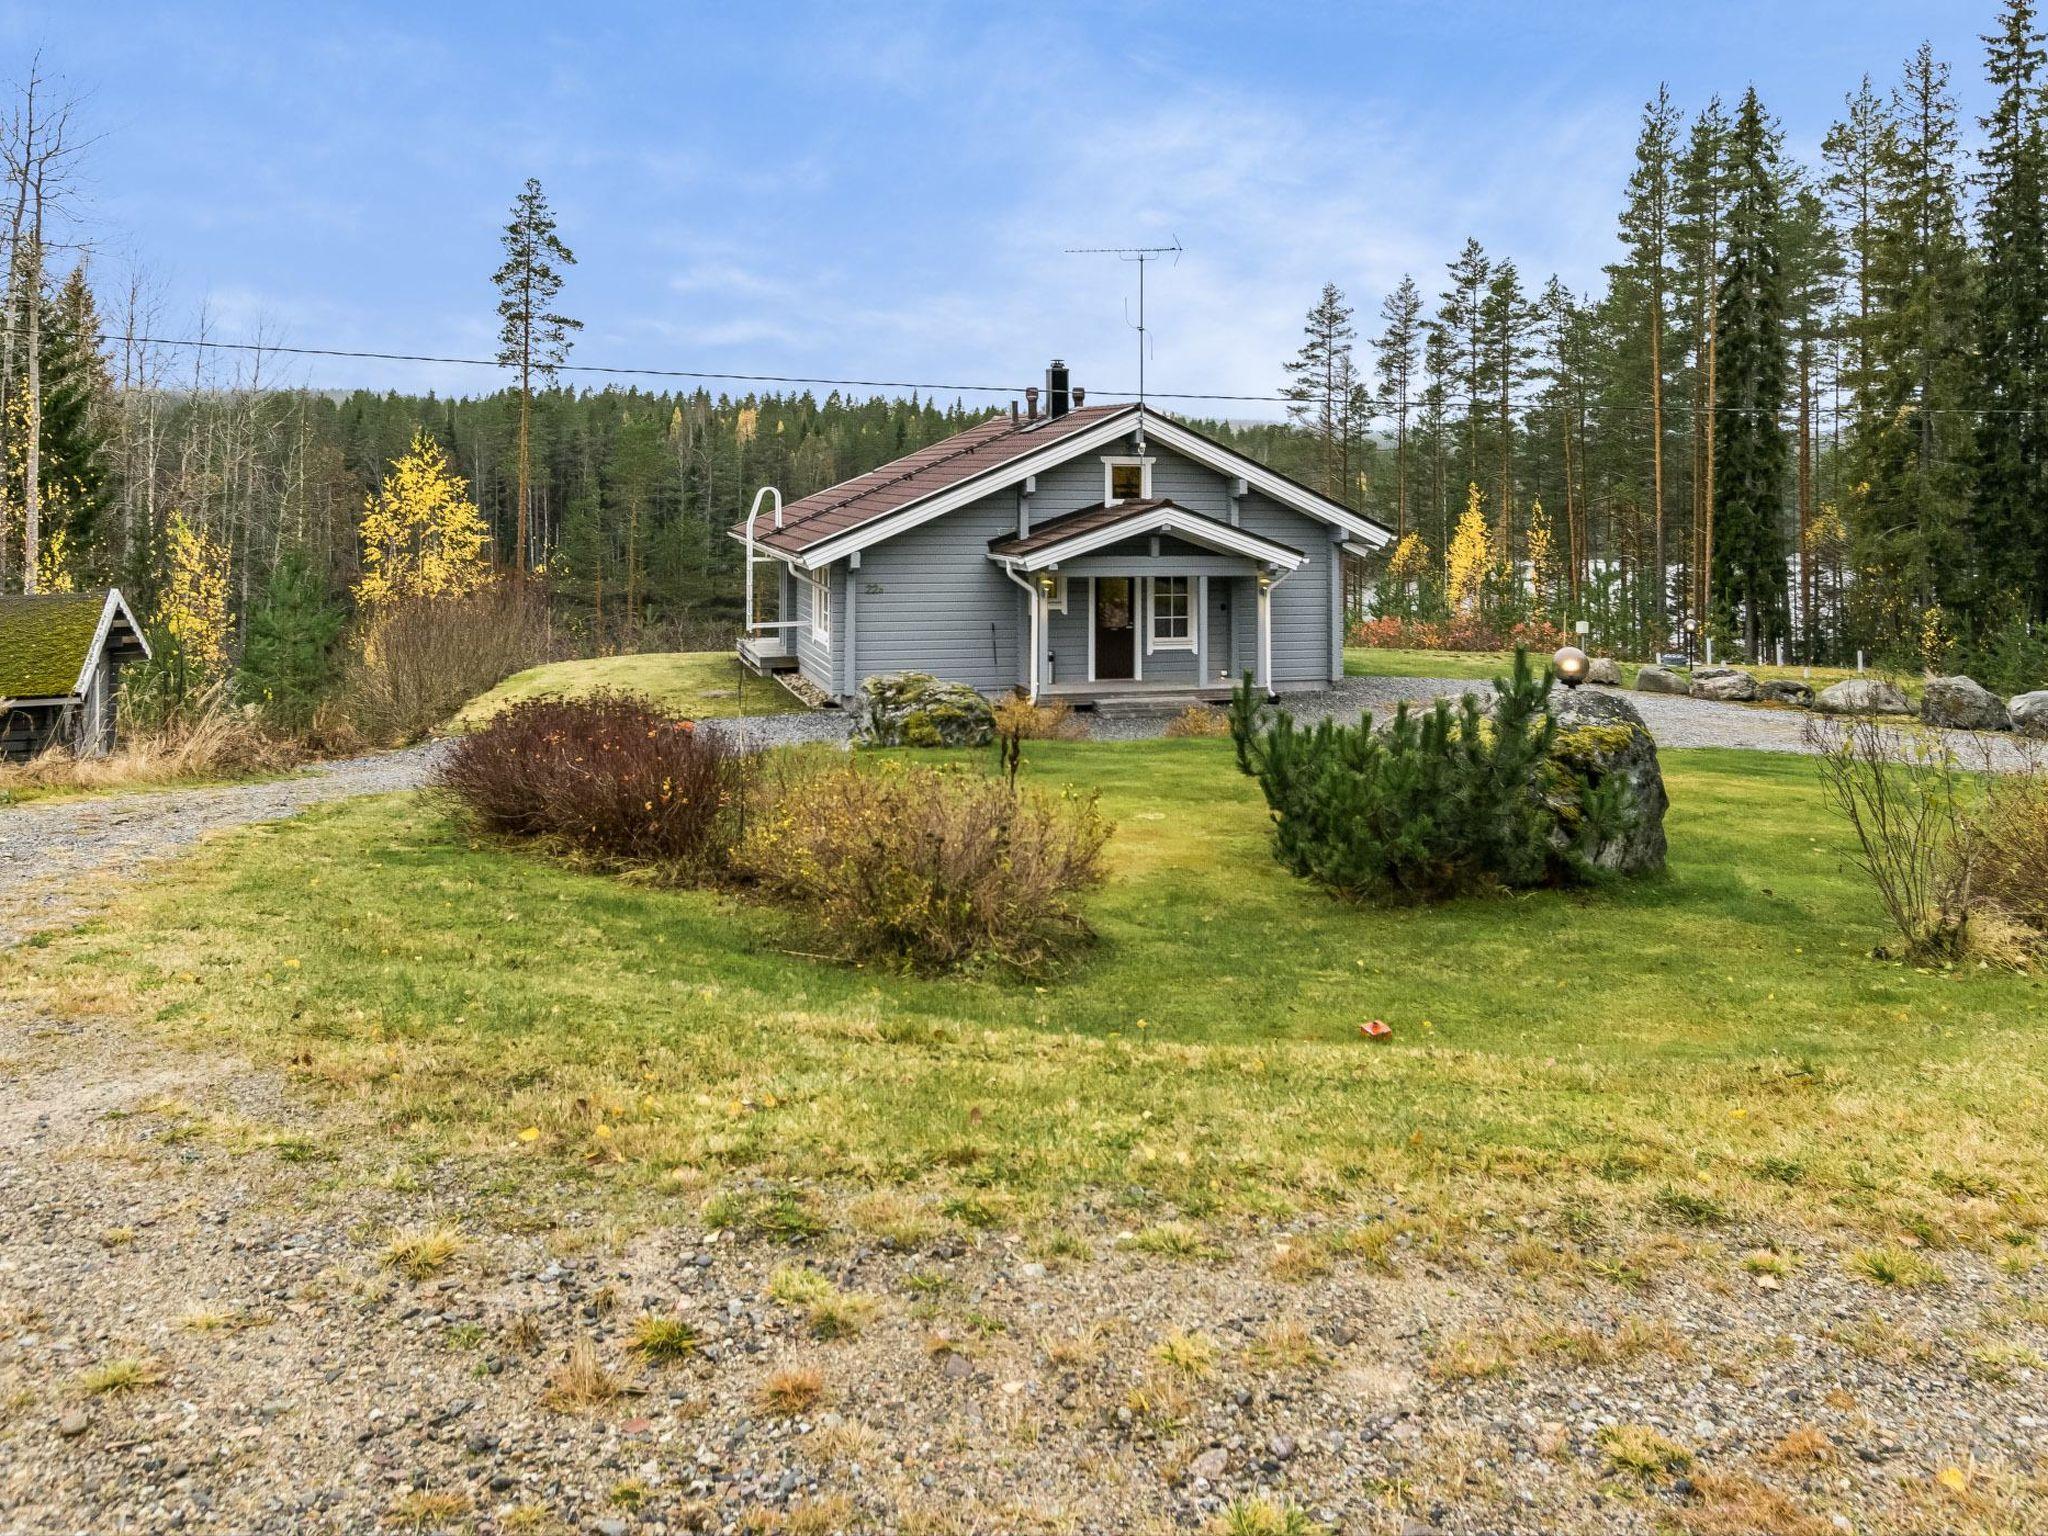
1539, 555
421, 534
1470, 557
1410, 558
193, 607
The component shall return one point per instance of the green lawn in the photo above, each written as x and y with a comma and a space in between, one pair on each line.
1387, 661
1711, 1045
698, 684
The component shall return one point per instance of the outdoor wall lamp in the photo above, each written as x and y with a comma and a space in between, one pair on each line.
1570, 665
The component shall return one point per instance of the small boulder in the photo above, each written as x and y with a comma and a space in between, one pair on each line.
1729, 684
915, 709
1211, 1464
1604, 669
1785, 690
1862, 696
1601, 736
1962, 704
2029, 712
1661, 680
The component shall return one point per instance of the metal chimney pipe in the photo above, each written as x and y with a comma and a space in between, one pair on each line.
1031, 402
1080, 395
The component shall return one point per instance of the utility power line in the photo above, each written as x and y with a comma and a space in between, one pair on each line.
1382, 407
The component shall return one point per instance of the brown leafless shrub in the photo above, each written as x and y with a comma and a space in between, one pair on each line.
2010, 834
608, 776
929, 869
420, 660
1905, 797
1021, 720
1199, 720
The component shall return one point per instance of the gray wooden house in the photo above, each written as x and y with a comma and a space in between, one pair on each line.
60, 661
1090, 553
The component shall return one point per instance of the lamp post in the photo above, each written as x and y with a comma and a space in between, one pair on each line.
1692, 630
1570, 665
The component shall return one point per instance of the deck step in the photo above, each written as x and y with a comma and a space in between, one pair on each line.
1151, 703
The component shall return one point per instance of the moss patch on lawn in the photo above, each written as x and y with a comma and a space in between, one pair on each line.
1559, 1061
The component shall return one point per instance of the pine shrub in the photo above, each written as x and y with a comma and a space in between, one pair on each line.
1439, 803
609, 777
927, 869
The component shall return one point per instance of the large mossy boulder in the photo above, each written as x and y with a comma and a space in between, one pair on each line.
1661, 680
1862, 696
1728, 684
2029, 712
1962, 704
915, 709
1601, 737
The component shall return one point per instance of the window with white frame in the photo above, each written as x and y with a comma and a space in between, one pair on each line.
821, 606
1126, 480
1173, 614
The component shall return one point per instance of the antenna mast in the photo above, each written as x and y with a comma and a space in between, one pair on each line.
1143, 255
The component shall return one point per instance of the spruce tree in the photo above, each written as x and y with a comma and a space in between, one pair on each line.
2011, 443
288, 656
1751, 381
1461, 316
1646, 225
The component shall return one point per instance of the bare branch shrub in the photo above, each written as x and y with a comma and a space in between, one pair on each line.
421, 659
2010, 824
1905, 797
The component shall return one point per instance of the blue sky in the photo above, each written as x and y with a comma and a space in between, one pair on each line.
882, 191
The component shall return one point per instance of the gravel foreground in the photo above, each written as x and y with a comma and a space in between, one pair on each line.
202, 1329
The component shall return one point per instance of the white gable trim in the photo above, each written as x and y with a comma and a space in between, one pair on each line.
1273, 486
115, 604
1156, 428
1108, 430
1187, 525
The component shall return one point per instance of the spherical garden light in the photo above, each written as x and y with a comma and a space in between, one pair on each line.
1570, 665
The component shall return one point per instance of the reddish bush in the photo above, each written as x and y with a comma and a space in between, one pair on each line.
609, 776
1459, 634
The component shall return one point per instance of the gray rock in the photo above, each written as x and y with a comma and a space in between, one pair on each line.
1210, 1464
1604, 669
915, 709
1591, 743
1282, 1447
1661, 680
73, 1424
1785, 690
2029, 712
1963, 704
1862, 696
1729, 684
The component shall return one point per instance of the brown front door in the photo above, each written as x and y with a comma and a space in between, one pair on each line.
1116, 629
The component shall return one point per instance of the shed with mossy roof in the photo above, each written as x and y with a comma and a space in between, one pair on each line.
60, 661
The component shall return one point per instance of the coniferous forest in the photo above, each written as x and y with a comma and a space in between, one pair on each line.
1804, 411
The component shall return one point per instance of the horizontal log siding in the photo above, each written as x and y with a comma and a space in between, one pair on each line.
940, 595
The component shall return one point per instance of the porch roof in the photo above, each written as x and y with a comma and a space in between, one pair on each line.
1105, 523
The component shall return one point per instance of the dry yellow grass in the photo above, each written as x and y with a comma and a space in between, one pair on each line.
581, 1382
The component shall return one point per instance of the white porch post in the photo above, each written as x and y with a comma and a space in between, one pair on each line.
1201, 630
1041, 622
1265, 632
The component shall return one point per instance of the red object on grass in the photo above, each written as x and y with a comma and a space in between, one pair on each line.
1376, 1029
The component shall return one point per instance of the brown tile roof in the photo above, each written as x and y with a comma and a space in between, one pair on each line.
1058, 530
937, 467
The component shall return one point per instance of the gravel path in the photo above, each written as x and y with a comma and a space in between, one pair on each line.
47, 850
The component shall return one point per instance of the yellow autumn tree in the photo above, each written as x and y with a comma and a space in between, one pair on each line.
421, 534
193, 606
1540, 556
1470, 556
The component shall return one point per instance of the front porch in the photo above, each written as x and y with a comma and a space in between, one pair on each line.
1133, 694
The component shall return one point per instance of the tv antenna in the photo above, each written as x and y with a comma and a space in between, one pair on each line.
1144, 256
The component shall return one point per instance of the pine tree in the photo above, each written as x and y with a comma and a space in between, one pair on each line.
1398, 353
1699, 232
1461, 317
532, 338
1852, 152
1813, 272
1508, 318
1646, 222
1751, 384
1321, 380
2011, 443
